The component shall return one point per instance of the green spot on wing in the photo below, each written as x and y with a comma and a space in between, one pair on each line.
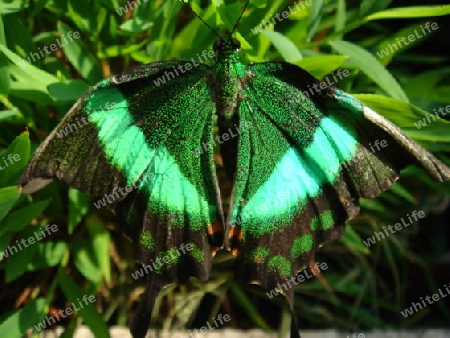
258, 255
197, 253
301, 245
280, 265
147, 240
126, 148
173, 258
324, 221
298, 176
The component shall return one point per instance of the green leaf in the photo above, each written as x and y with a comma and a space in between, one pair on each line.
440, 94
315, 15
14, 159
371, 67
411, 12
48, 254
229, 12
28, 91
401, 41
341, 16
368, 6
322, 65
21, 320
4, 241
249, 306
7, 114
4, 71
426, 84
7, 7
135, 25
79, 204
38, 5
88, 312
84, 15
20, 218
8, 196
68, 90
100, 241
26, 71
414, 121
403, 192
286, 47
79, 56
19, 256
119, 50
85, 260
353, 241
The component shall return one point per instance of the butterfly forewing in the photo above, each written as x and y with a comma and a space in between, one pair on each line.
140, 150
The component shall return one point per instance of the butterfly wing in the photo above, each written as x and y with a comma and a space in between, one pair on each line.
137, 148
302, 165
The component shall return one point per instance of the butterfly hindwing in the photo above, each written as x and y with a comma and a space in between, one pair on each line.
301, 168
140, 149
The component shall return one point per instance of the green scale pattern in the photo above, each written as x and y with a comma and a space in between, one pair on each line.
152, 133
299, 246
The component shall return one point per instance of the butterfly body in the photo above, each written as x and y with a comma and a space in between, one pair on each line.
229, 73
298, 162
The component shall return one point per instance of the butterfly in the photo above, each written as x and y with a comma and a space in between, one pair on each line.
299, 161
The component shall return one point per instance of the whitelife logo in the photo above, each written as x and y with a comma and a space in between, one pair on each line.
371, 240
300, 278
53, 48
11, 158
170, 257
123, 191
129, 6
12, 249
281, 16
183, 68
416, 307
85, 120
49, 320
316, 88
438, 113
402, 42
361, 155
205, 329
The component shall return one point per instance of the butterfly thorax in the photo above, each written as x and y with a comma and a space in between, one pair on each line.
228, 73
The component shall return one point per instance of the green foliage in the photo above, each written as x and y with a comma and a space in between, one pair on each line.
362, 288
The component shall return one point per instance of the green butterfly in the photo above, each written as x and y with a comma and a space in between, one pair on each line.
300, 161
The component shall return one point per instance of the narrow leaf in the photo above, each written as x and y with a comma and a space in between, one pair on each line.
100, 240
353, 241
322, 65
79, 56
411, 12
21, 320
371, 67
86, 311
20, 218
8, 196
79, 204
286, 47
14, 159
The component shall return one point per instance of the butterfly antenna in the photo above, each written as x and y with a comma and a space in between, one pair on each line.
198, 16
237, 22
